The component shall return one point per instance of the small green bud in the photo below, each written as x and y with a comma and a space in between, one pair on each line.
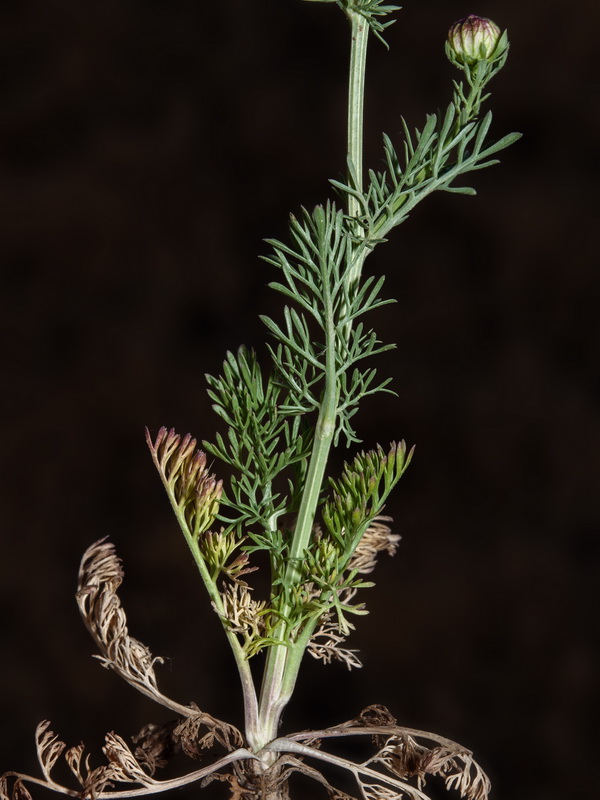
473, 39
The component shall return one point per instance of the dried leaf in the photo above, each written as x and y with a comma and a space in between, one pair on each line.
188, 734
96, 782
408, 755
238, 792
375, 715
73, 759
20, 791
92, 781
296, 765
460, 771
375, 791
124, 767
403, 757
377, 538
241, 613
100, 576
49, 747
325, 644
156, 746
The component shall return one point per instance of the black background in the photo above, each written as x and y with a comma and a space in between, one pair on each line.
147, 149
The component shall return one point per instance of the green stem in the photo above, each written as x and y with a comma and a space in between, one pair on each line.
247, 683
283, 660
356, 95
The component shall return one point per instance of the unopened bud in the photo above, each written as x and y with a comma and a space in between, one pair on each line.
473, 39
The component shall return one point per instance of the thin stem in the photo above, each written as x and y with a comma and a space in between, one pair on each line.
356, 95
248, 688
247, 683
154, 787
376, 730
153, 693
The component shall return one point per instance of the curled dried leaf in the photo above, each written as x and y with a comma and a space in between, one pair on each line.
404, 757
93, 781
237, 790
406, 754
100, 576
296, 765
98, 780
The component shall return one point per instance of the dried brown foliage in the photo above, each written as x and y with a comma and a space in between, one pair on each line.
377, 538
401, 767
194, 739
407, 755
100, 575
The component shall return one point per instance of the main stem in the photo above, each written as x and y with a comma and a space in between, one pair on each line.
283, 660
356, 102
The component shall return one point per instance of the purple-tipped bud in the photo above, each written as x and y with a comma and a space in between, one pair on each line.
473, 39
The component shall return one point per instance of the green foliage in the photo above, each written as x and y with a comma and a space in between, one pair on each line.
315, 269
432, 158
263, 440
329, 588
280, 426
320, 535
373, 11
359, 495
217, 549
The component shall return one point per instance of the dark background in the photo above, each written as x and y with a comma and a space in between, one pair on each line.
147, 149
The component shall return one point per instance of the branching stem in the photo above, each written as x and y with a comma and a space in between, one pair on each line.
285, 745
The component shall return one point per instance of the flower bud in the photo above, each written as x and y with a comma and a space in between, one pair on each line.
473, 39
